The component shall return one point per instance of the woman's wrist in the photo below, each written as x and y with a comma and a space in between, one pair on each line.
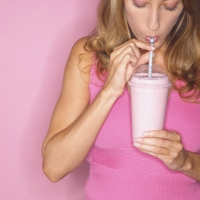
108, 95
187, 166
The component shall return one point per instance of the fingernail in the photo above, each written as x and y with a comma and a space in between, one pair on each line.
145, 134
136, 144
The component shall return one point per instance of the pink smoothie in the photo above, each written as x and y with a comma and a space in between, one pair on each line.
148, 102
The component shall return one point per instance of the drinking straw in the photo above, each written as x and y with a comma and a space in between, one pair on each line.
150, 59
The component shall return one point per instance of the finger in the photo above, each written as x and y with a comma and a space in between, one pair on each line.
163, 134
150, 153
169, 161
143, 60
128, 61
143, 45
153, 149
164, 158
127, 50
138, 43
170, 144
121, 65
135, 45
130, 46
129, 72
123, 45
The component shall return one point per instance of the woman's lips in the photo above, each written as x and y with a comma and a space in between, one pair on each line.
148, 38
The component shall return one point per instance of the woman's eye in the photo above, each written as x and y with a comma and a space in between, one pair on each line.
171, 9
143, 5
138, 6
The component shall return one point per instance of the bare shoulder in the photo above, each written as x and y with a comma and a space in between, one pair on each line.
79, 60
78, 63
80, 45
81, 52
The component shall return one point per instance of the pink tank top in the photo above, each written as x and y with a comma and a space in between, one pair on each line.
119, 171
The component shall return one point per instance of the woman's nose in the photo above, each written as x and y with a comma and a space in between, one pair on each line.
153, 21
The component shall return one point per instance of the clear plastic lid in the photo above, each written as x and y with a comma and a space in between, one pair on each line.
159, 76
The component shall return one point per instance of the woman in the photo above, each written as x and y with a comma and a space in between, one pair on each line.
92, 116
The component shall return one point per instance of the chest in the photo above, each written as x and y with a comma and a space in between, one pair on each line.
181, 117
184, 118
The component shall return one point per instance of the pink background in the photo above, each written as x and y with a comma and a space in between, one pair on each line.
35, 39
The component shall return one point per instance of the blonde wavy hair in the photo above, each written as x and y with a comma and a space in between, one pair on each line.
182, 54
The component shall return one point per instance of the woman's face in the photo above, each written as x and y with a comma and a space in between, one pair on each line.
152, 18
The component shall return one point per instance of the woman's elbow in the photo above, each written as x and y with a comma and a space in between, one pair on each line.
51, 173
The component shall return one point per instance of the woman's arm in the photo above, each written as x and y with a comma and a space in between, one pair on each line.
191, 166
75, 124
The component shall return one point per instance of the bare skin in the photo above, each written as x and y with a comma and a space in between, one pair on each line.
75, 124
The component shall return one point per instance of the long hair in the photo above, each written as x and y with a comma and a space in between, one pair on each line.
182, 53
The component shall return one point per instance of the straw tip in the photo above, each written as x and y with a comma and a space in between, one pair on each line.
152, 40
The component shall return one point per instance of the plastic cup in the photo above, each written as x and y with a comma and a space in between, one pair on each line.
148, 99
